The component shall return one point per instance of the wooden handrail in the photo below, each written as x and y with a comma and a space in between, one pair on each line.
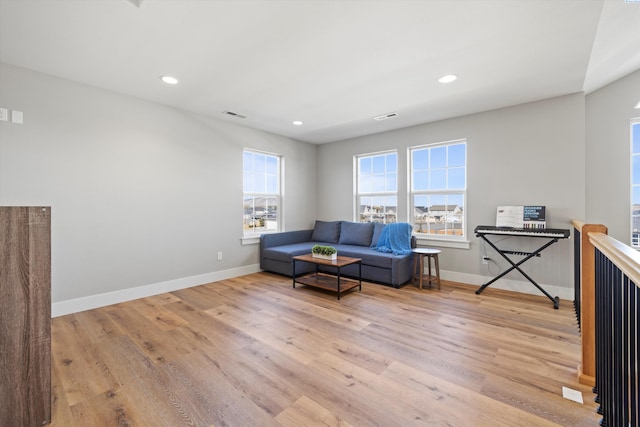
577, 224
587, 368
623, 256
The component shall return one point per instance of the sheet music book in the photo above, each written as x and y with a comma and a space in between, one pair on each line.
510, 216
534, 217
521, 217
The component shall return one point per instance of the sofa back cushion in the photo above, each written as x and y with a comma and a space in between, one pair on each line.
356, 233
326, 231
377, 229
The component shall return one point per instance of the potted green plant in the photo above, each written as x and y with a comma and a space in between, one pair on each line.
324, 252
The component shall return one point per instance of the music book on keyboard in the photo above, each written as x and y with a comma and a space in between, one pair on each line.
521, 217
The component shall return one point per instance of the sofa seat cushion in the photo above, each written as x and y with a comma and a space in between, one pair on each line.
369, 256
285, 252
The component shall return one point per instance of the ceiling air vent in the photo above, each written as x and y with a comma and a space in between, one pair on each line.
385, 116
232, 114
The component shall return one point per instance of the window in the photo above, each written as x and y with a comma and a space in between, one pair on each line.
261, 190
377, 186
635, 183
438, 184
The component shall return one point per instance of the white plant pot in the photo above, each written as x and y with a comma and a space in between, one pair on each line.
327, 257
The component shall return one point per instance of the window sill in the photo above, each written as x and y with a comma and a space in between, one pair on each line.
249, 240
456, 244
254, 239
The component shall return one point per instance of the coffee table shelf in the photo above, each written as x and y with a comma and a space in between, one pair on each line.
327, 281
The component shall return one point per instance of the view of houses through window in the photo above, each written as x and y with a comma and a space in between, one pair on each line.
438, 188
437, 175
635, 183
261, 192
377, 186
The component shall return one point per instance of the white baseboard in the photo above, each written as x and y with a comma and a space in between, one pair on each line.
101, 300
561, 292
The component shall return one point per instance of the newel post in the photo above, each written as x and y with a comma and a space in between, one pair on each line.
587, 367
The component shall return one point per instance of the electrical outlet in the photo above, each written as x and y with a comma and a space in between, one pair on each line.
17, 117
485, 259
219, 256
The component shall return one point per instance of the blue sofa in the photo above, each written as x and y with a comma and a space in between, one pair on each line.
352, 239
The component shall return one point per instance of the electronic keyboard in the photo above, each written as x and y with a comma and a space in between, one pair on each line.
553, 233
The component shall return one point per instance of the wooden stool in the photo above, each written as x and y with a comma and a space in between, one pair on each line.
419, 255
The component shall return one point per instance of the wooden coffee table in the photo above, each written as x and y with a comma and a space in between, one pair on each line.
328, 281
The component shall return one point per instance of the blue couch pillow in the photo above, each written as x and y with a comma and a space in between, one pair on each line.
377, 230
356, 233
326, 231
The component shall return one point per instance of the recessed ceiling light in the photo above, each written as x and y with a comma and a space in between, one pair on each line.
169, 80
297, 122
385, 116
637, 107
448, 78
233, 114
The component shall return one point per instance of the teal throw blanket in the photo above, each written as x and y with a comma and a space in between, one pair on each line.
395, 238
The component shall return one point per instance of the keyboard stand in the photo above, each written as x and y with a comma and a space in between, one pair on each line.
516, 266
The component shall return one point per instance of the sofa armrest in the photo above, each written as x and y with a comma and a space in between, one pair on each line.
283, 238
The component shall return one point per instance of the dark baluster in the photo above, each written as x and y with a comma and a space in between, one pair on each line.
577, 256
634, 352
606, 344
600, 273
618, 404
625, 315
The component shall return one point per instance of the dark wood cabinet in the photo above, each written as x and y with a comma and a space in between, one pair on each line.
25, 316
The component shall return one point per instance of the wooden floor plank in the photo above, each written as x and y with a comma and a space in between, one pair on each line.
296, 340
252, 350
157, 313
60, 409
305, 411
98, 325
461, 405
81, 368
206, 326
519, 393
154, 394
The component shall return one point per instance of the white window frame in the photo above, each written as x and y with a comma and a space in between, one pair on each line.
634, 235
384, 215
450, 240
252, 235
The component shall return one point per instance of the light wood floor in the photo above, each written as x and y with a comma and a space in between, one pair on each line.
252, 351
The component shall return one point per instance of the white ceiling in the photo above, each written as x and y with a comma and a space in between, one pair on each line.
332, 64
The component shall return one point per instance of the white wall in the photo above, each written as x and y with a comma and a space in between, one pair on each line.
524, 155
141, 194
608, 146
